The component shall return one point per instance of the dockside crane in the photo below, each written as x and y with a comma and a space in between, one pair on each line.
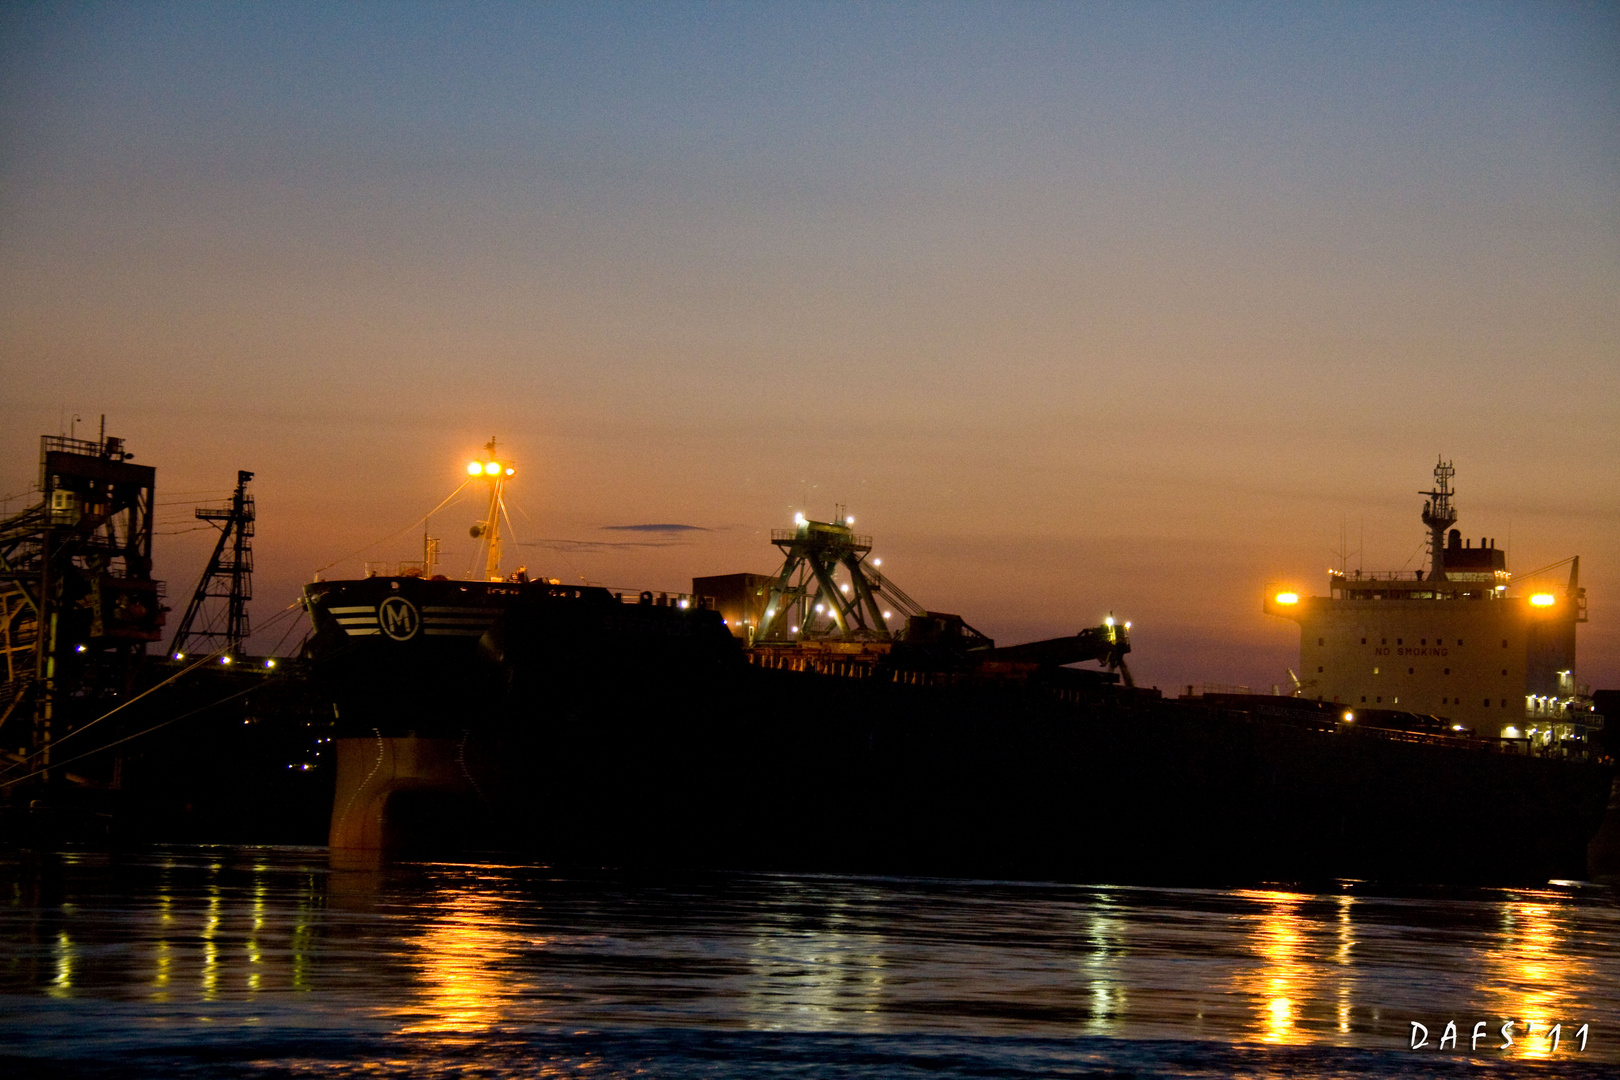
228, 577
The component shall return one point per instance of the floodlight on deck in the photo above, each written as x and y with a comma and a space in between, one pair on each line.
1543, 599
492, 468
474, 468
1288, 598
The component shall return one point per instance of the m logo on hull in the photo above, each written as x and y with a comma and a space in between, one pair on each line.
398, 618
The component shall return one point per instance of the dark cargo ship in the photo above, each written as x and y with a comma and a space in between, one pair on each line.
786, 726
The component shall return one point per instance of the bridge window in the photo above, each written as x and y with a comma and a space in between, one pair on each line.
1364, 641
1321, 641
1487, 703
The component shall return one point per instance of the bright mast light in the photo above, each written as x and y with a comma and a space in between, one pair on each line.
497, 471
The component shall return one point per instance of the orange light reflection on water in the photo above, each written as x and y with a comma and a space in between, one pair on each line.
1536, 976
465, 976
1298, 977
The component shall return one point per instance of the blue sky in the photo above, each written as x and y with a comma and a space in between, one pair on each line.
1082, 307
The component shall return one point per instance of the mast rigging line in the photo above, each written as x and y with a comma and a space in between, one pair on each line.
1545, 569
172, 720
187, 670
412, 525
138, 734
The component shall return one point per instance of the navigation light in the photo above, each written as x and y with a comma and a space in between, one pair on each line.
1349, 717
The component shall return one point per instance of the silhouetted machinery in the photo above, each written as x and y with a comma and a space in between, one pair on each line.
77, 600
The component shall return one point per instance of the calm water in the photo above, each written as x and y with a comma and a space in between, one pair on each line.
266, 962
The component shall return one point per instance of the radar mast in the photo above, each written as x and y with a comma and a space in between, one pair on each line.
1439, 515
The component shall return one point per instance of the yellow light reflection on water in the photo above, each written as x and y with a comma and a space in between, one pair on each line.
1105, 939
163, 966
255, 953
210, 963
62, 983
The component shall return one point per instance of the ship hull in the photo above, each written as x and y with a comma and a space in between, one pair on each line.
577, 734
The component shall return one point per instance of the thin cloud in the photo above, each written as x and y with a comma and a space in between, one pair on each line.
660, 528
601, 545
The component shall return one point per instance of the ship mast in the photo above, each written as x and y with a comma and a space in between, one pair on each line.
1439, 515
495, 471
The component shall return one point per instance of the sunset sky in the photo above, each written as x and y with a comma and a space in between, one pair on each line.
1078, 308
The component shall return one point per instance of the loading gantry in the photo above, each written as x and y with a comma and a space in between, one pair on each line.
807, 601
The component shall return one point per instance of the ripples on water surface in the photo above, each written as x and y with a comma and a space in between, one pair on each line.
266, 962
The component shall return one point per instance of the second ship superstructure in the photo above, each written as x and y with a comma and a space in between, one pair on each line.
1461, 640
